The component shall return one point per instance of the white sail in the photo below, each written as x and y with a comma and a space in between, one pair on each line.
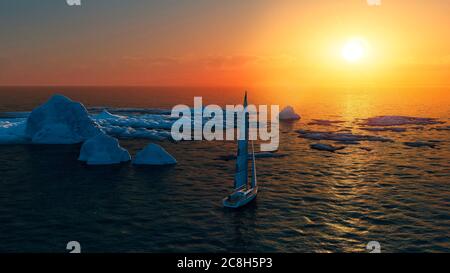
241, 175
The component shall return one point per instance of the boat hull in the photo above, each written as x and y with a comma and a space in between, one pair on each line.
240, 198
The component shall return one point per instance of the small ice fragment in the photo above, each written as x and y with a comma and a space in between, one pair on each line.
154, 154
288, 113
103, 150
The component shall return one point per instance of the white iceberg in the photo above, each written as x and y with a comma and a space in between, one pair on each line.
103, 150
288, 113
60, 121
154, 154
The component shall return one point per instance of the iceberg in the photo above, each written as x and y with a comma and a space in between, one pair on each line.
103, 150
288, 113
154, 154
399, 120
60, 121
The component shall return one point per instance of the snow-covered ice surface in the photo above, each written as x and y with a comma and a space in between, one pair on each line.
154, 154
103, 150
60, 121
288, 113
13, 131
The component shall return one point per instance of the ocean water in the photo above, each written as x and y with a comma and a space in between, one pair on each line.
309, 201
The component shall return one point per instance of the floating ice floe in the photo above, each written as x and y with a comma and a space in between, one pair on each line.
13, 132
324, 122
257, 155
147, 126
129, 133
288, 113
154, 154
325, 147
340, 137
399, 120
60, 121
143, 121
103, 150
418, 144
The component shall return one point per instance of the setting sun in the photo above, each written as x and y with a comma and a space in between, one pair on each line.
353, 50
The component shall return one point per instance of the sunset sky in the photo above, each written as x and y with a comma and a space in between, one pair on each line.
224, 43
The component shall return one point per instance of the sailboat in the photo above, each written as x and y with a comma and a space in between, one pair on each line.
244, 192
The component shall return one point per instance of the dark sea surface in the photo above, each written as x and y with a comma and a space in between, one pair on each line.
309, 201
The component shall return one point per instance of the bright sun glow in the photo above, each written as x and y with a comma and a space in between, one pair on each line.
353, 50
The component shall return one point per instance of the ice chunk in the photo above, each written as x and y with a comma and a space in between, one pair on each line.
399, 120
336, 136
288, 113
324, 122
103, 150
419, 144
154, 154
325, 147
13, 132
60, 121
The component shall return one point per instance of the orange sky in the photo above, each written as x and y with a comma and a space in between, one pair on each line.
225, 43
